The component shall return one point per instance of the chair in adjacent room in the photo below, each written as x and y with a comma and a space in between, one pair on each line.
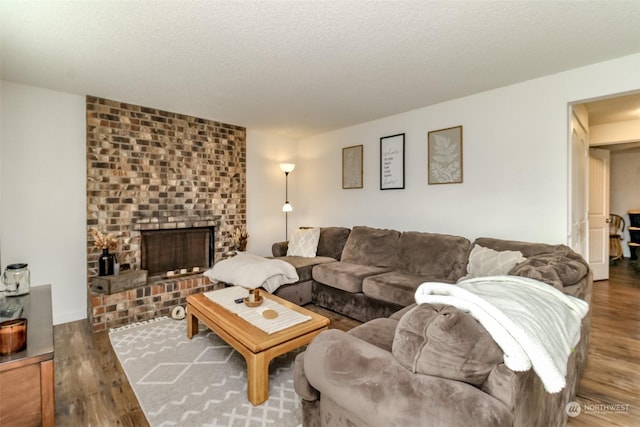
616, 228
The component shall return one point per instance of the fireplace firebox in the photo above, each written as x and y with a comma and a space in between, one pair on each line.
179, 249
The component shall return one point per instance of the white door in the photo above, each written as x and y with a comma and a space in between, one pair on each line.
578, 209
599, 213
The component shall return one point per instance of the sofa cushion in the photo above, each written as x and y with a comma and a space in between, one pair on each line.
395, 287
429, 254
332, 241
279, 249
444, 341
330, 244
559, 269
304, 265
371, 246
344, 275
489, 262
304, 242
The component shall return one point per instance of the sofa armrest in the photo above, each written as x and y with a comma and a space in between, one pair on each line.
300, 382
279, 249
368, 382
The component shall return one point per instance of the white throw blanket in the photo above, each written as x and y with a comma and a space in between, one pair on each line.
252, 271
534, 324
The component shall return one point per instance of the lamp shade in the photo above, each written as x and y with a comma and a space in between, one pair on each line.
287, 207
287, 167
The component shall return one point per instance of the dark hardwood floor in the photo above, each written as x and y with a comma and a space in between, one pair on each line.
91, 387
609, 392
92, 390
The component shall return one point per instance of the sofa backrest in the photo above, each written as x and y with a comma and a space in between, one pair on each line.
332, 241
568, 265
439, 256
371, 246
527, 248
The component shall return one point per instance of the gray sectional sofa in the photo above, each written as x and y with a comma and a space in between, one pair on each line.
366, 273
373, 375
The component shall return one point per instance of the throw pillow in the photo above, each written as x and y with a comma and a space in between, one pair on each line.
304, 242
488, 262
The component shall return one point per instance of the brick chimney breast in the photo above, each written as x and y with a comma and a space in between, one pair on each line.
149, 169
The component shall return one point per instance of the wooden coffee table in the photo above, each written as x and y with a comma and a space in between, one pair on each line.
256, 346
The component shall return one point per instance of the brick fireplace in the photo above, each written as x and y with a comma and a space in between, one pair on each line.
149, 169
176, 251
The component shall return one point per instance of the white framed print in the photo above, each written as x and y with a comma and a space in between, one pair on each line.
392, 162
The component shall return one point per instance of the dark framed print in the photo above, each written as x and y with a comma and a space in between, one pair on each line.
392, 162
444, 158
352, 167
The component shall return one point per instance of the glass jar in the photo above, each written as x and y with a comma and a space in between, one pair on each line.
16, 279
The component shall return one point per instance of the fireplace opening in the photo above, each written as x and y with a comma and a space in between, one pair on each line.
177, 250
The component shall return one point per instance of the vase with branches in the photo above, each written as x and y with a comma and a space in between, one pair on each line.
106, 242
239, 239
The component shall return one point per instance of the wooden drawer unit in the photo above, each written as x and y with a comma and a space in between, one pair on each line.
27, 377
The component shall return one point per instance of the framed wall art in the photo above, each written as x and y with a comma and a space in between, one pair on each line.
445, 156
392, 162
352, 167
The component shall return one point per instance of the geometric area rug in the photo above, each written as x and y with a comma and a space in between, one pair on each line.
200, 381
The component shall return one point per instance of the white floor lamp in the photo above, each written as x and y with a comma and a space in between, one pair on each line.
286, 208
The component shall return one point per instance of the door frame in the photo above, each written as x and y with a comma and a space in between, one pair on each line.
583, 115
579, 243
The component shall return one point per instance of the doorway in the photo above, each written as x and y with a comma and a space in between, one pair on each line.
613, 130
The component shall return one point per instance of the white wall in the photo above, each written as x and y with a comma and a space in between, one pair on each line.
515, 161
625, 188
42, 205
266, 189
43, 192
515, 173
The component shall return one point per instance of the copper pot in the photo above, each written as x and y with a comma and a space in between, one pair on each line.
13, 336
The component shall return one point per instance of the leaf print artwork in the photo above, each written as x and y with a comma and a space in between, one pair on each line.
445, 156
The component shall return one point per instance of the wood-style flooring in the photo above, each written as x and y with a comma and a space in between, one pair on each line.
609, 391
92, 390
91, 387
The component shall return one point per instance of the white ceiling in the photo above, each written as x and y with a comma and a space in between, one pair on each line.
303, 67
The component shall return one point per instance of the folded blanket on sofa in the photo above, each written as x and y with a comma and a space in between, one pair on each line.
534, 324
252, 271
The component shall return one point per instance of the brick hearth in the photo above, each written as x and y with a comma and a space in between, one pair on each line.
152, 169
145, 302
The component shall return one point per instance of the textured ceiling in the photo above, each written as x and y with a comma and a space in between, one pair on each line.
303, 67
